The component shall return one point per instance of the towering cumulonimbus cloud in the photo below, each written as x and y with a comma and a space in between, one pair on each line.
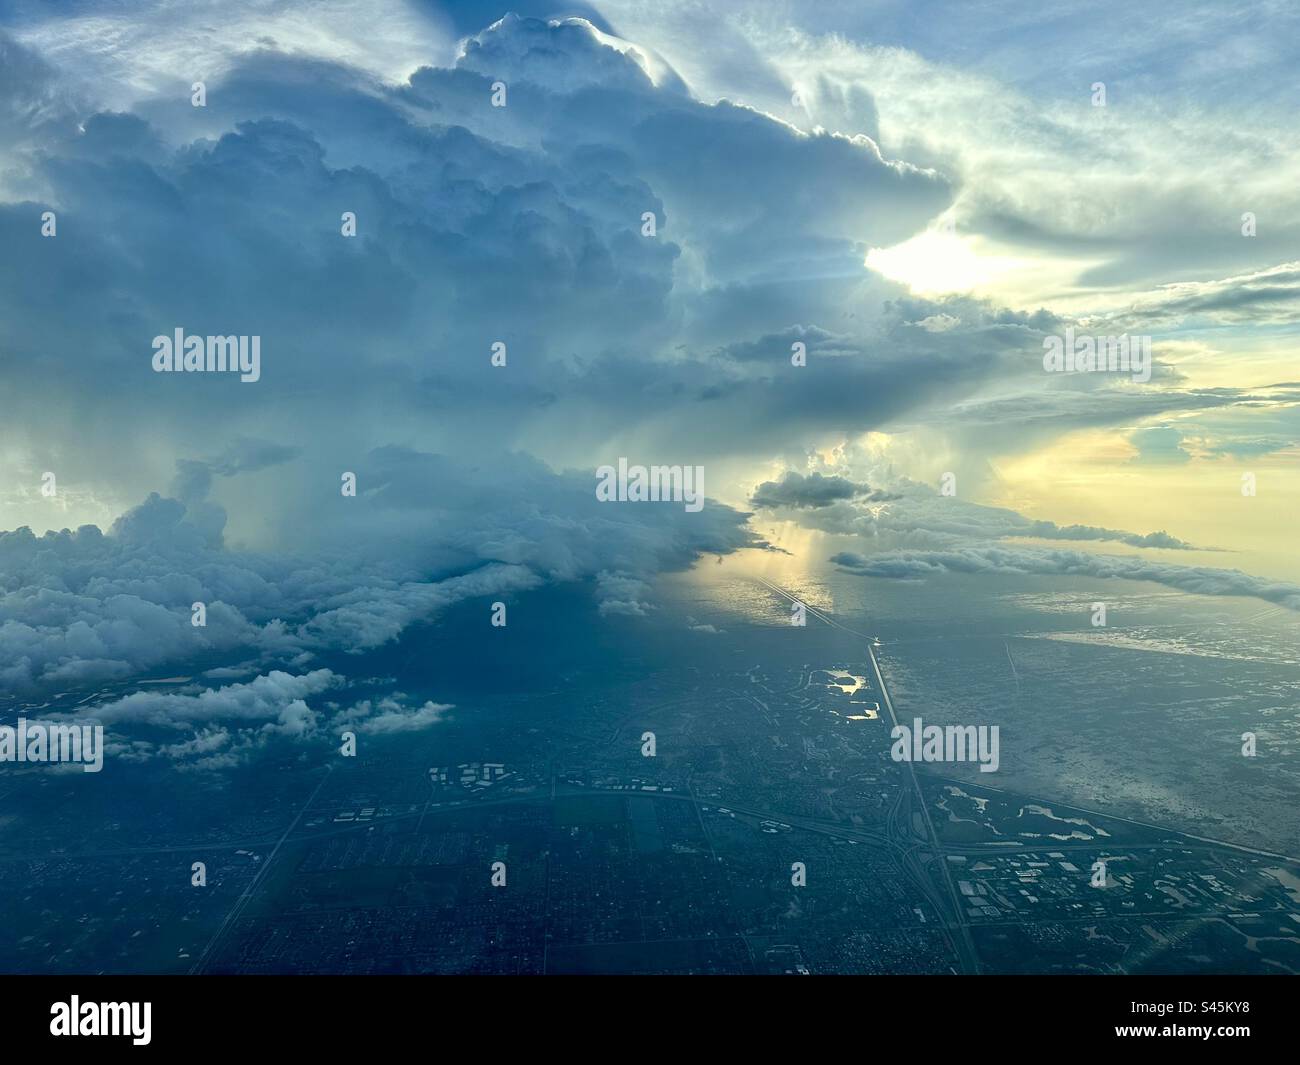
466, 308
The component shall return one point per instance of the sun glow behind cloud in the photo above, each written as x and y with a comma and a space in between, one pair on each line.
942, 262
937, 263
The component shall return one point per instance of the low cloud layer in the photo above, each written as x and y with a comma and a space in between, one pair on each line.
814, 490
229, 725
422, 535
918, 514
913, 565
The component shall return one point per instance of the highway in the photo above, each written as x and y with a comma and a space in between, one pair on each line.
900, 832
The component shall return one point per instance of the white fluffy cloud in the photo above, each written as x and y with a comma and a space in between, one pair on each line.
229, 725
